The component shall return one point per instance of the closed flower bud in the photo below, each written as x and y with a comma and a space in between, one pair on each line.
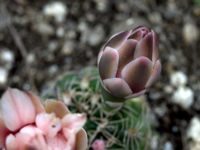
128, 64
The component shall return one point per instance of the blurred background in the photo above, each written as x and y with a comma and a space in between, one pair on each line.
40, 40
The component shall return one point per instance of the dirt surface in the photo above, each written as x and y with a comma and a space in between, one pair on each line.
42, 46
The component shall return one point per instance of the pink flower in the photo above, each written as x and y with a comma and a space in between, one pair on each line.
98, 145
26, 124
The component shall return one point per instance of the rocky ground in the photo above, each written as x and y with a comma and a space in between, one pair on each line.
41, 39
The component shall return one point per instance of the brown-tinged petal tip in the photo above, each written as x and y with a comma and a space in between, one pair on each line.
81, 140
56, 107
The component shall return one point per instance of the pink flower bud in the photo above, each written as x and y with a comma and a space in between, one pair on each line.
128, 64
98, 145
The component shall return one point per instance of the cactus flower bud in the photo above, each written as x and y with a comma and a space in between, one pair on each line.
128, 63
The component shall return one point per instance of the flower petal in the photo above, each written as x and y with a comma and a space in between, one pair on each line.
144, 47
11, 142
155, 48
56, 107
81, 140
126, 53
140, 28
117, 87
136, 94
155, 74
48, 123
59, 141
118, 40
136, 36
36, 102
3, 133
137, 73
17, 109
74, 121
70, 136
108, 63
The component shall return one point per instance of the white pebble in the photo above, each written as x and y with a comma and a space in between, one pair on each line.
178, 78
53, 69
3, 76
183, 96
190, 33
168, 146
60, 32
7, 56
56, 9
193, 130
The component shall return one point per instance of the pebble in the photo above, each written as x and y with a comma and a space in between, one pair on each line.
183, 96
56, 9
168, 146
53, 69
7, 57
3, 76
60, 32
178, 78
44, 29
193, 131
68, 47
96, 35
190, 33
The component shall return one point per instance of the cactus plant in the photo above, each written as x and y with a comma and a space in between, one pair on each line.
129, 128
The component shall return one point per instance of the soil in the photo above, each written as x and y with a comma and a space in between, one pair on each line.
44, 47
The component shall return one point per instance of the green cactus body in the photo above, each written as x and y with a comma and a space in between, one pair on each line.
128, 129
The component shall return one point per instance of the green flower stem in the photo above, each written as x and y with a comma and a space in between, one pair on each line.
111, 103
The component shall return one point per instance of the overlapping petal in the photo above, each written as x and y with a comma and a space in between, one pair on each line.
117, 41
56, 129
108, 63
137, 73
118, 87
17, 109
138, 66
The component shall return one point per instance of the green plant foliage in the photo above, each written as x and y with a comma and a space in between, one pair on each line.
128, 129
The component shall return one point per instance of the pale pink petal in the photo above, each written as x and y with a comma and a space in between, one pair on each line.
48, 123
36, 102
74, 121
137, 73
17, 109
108, 63
70, 135
11, 142
117, 87
34, 138
58, 141
31, 130
22, 139
81, 140
117, 41
136, 94
155, 48
126, 53
3, 133
145, 47
56, 107
155, 74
